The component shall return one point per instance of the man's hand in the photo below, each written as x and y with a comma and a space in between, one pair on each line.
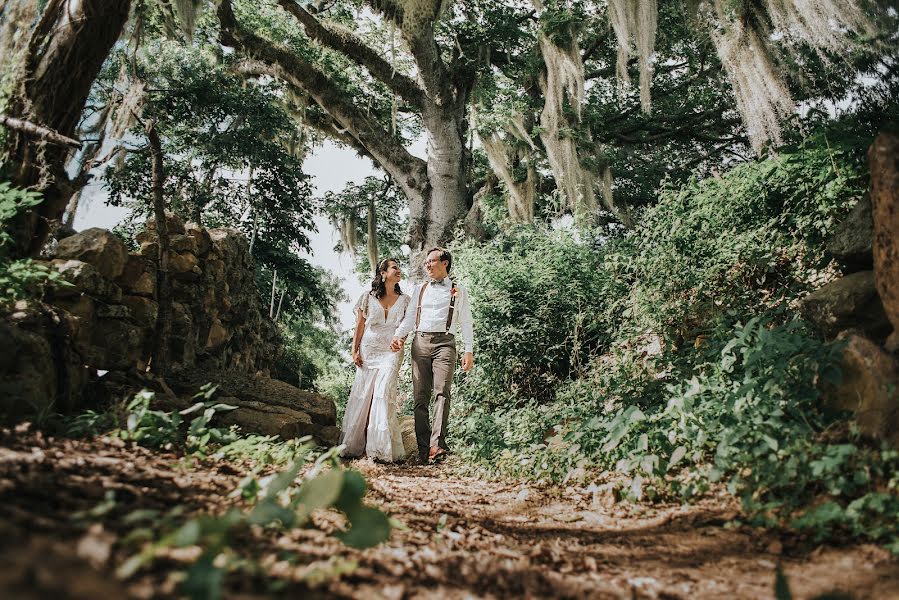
467, 361
397, 344
357, 358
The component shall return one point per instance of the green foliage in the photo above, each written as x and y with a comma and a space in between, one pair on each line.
26, 278
284, 501
12, 202
693, 372
533, 297
21, 278
746, 241
349, 208
155, 428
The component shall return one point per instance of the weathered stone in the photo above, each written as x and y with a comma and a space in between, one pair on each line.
80, 306
143, 310
850, 302
184, 266
147, 236
266, 406
183, 243
201, 237
98, 247
85, 278
115, 345
218, 335
112, 311
182, 345
883, 158
230, 245
149, 250
40, 372
27, 372
139, 276
852, 241
869, 388
173, 222
82, 310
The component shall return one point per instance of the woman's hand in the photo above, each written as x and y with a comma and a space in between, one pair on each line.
357, 358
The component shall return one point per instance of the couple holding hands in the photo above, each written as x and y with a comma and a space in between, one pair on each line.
385, 316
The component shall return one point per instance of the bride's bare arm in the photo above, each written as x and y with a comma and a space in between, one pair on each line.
357, 337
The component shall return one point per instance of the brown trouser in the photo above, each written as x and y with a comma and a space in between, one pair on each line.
433, 363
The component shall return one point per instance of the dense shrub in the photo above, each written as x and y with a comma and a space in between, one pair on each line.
543, 303
743, 242
729, 395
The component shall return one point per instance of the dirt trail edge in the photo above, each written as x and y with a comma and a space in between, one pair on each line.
457, 537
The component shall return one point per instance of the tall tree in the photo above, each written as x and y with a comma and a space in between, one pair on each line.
66, 49
436, 188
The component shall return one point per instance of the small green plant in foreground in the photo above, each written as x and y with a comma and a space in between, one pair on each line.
286, 501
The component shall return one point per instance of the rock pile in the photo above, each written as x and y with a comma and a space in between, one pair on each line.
102, 313
862, 307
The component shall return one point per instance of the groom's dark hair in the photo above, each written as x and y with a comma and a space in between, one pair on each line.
444, 255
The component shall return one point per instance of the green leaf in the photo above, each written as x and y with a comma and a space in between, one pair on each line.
677, 456
283, 480
353, 490
188, 534
368, 527
269, 511
320, 492
204, 580
781, 586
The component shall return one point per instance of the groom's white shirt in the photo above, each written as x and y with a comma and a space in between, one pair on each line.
435, 310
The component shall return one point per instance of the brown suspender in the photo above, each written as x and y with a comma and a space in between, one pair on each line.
452, 305
421, 295
449, 318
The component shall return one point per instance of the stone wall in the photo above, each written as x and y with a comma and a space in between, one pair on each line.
218, 320
862, 307
101, 316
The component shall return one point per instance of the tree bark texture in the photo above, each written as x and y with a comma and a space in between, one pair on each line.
66, 50
436, 189
163, 281
883, 158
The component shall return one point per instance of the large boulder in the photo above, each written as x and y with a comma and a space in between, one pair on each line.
883, 158
98, 247
201, 237
116, 344
265, 406
852, 242
40, 372
850, 302
83, 278
174, 224
869, 388
138, 278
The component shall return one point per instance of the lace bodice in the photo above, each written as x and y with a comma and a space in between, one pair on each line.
379, 327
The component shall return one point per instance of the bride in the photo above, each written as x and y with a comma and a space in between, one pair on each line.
370, 425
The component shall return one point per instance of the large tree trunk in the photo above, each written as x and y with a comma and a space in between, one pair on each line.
66, 50
434, 216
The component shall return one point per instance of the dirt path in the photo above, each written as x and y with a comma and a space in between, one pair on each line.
458, 537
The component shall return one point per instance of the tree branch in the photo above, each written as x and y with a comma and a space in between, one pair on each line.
347, 43
39, 131
409, 171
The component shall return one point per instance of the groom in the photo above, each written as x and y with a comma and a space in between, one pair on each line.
441, 306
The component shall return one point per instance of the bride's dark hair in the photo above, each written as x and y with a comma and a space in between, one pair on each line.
378, 289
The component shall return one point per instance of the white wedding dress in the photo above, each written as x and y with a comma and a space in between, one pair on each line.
370, 423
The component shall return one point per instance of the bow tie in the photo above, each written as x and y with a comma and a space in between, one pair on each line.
437, 281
